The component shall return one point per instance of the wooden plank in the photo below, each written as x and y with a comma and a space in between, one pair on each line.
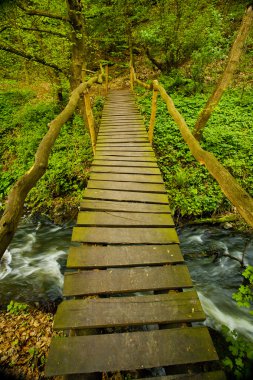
119, 177
213, 375
126, 219
124, 169
121, 113
127, 186
132, 196
89, 256
106, 162
106, 128
122, 129
129, 311
120, 133
129, 351
122, 153
122, 136
125, 145
124, 206
128, 159
121, 119
120, 235
126, 149
125, 280
125, 140
125, 126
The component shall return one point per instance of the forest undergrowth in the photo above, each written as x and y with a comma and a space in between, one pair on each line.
192, 192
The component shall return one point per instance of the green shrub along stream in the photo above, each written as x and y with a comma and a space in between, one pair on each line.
192, 191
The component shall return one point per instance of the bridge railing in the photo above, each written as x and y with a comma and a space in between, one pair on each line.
240, 199
21, 188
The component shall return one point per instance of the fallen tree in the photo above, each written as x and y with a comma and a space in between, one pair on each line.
19, 191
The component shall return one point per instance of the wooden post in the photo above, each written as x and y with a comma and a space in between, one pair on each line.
153, 114
90, 120
131, 77
106, 79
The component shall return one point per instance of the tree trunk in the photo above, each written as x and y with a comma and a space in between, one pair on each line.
78, 41
232, 64
230, 187
18, 193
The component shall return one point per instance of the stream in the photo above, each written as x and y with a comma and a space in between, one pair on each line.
32, 269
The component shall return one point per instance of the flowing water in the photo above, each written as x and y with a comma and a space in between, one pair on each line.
32, 269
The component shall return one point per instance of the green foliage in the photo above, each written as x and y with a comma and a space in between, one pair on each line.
191, 189
17, 308
175, 40
244, 295
68, 164
238, 361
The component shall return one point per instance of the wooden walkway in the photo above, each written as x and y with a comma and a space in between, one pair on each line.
130, 302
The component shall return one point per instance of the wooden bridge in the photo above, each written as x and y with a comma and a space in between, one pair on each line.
130, 302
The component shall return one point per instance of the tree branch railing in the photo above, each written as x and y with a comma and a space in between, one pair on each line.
19, 191
228, 184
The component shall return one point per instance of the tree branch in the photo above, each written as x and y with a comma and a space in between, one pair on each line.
37, 12
30, 57
232, 64
4, 28
158, 64
58, 34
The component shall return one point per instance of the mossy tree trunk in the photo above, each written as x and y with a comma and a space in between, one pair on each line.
78, 41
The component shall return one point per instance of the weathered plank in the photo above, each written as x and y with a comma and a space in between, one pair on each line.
125, 280
129, 351
89, 256
124, 146
125, 149
127, 143
103, 139
129, 311
119, 177
127, 186
121, 119
126, 219
124, 206
108, 128
128, 129
124, 169
119, 235
213, 375
132, 196
124, 153
118, 134
106, 162
138, 159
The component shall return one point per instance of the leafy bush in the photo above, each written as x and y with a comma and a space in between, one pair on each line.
240, 357
191, 189
24, 125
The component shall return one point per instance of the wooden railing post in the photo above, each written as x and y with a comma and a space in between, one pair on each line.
153, 113
131, 77
90, 120
106, 79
